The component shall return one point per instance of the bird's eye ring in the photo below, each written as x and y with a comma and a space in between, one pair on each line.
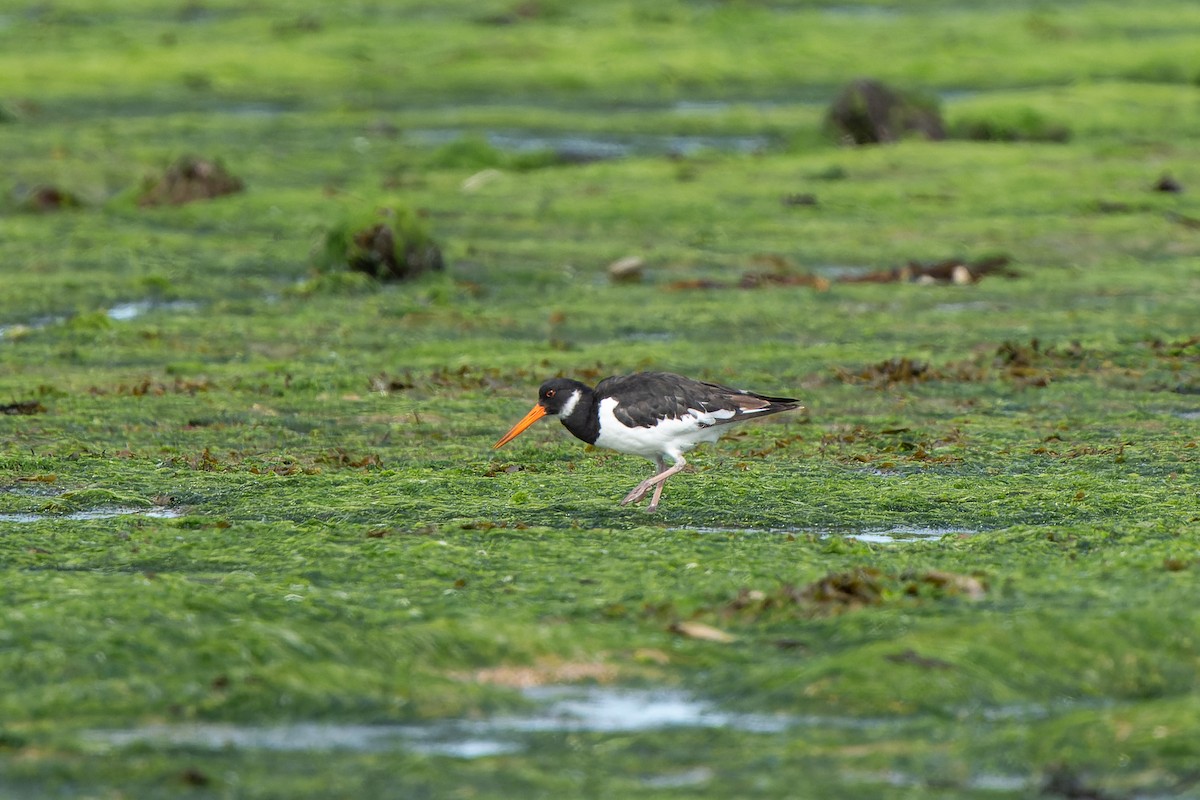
549, 393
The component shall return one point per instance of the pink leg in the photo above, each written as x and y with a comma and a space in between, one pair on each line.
654, 498
657, 489
650, 483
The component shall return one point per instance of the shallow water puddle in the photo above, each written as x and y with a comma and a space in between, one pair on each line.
605, 710
896, 535
563, 709
901, 535
984, 782
8, 331
95, 513
123, 312
597, 147
679, 780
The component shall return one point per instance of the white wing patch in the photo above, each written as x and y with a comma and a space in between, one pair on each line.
669, 437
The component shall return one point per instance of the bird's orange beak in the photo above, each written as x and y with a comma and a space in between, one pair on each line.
533, 416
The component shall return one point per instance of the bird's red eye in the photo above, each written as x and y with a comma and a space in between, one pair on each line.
549, 393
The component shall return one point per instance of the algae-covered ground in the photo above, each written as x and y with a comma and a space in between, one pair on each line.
255, 542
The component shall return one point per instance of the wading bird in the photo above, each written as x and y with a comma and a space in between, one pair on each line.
656, 415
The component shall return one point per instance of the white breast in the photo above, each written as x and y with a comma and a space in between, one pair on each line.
670, 437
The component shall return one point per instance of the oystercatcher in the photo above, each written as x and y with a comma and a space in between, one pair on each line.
656, 415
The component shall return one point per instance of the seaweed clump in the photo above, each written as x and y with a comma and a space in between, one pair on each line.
190, 179
867, 111
48, 199
388, 244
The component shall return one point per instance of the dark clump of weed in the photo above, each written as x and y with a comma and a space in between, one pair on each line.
152, 388
25, 407
1188, 348
504, 469
884, 448
525, 11
488, 525
468, 377
388, 244
857, 588
1024, 364
1015, 125
917, 660
339, 457
870, 112
194, 777
1079, 451
900, 369
305, 23
939, 583
1063, 781
754, 280
189, 179
385, 384
799, 199
1166, 183
48, 199
862, 586
1033, 364
253, 463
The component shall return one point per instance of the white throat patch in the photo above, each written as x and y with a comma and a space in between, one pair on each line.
569, 406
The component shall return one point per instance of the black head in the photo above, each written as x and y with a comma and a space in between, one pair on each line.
556, 393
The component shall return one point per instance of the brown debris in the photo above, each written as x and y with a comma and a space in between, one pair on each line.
384, 383
521, 12
900, 369
626, 270
542, 673
867, 111
488, 525
1168, 184
799, 199
885, 448
47, 478
147, 388
1028, 364
753, 280
862, 586
340, 457
189, 179
839, 592
698, 630
917, 660
24, 407
194, 777
1063, 781
696, 283
958, 271
48, 199
949, 583
501, 468
952, 270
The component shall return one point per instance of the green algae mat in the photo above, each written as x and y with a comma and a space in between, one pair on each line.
254, 541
